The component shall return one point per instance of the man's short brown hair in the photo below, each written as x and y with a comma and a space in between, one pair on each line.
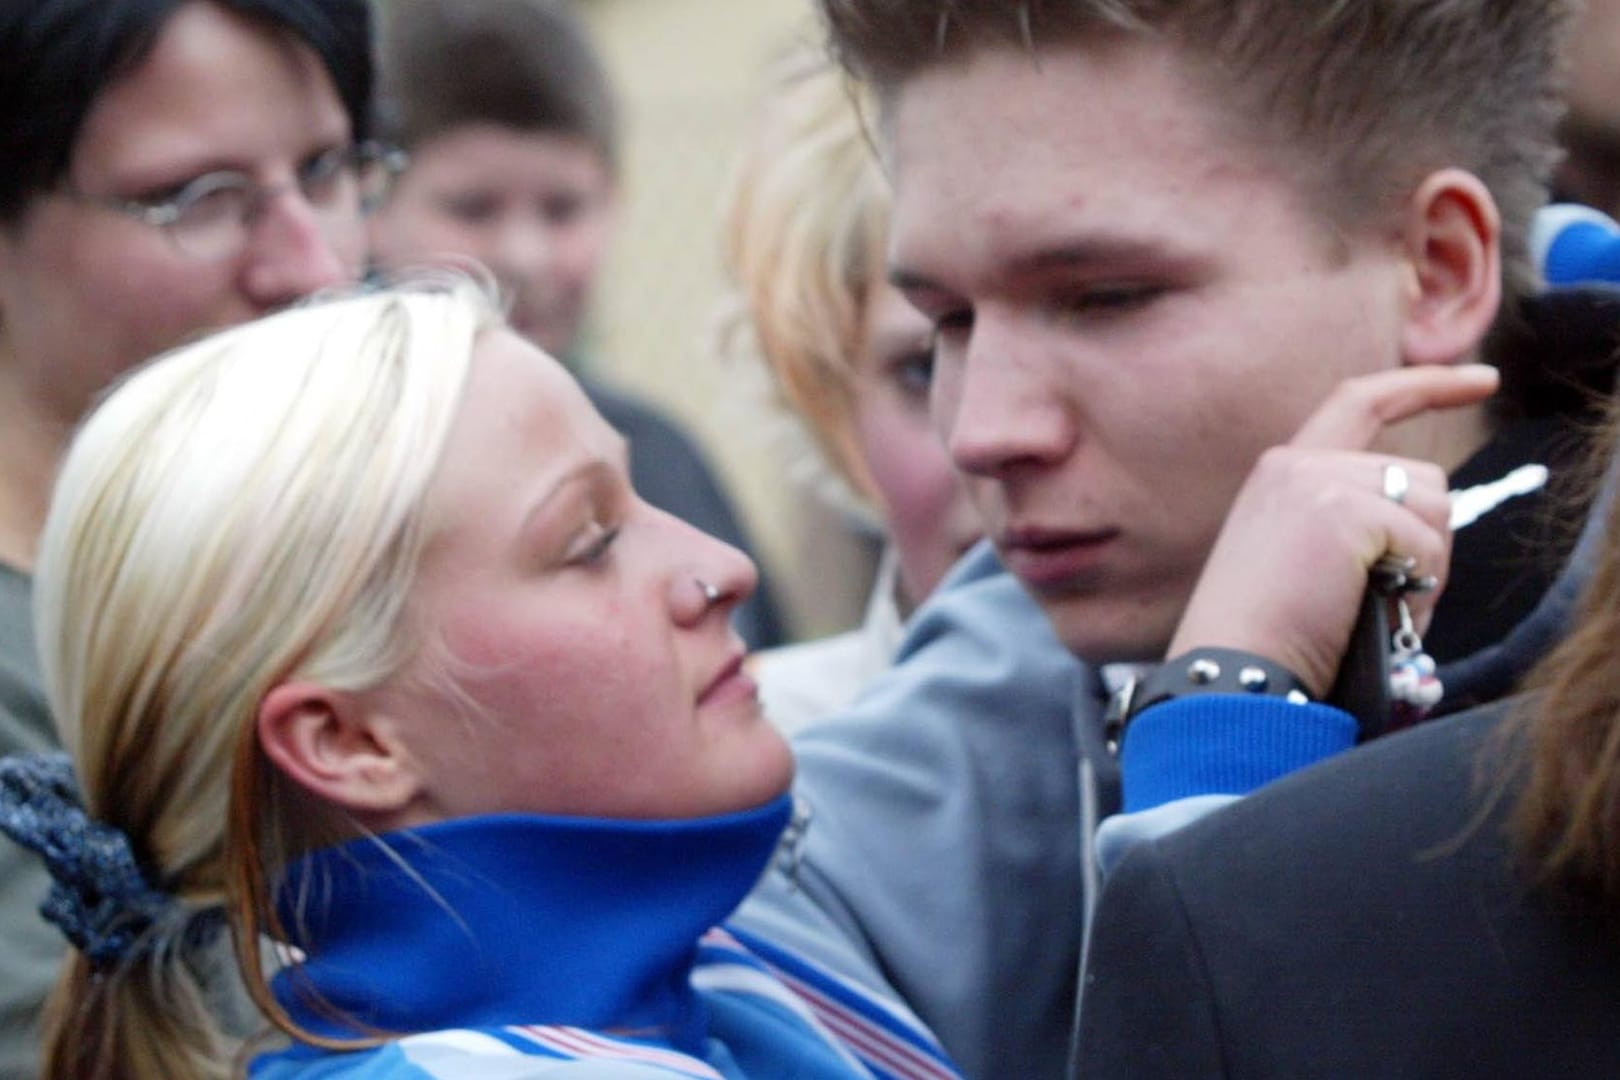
1372, 94
529, 65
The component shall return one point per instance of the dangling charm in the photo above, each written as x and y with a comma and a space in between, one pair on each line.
1414, 688
1413, 685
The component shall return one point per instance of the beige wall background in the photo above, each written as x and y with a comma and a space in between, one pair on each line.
689, 72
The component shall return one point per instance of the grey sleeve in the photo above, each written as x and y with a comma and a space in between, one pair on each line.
31, 952
31, 949
941, 862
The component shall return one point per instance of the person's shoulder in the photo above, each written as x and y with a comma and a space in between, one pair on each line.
1430, 781
25, 720
1381, 890
1419, 815
16, 612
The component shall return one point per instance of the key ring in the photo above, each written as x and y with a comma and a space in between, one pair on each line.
1414, 687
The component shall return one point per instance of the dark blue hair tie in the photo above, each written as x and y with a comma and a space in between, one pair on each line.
99, 898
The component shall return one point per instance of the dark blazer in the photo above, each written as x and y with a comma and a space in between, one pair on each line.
1362, 918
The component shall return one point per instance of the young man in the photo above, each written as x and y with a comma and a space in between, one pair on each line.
512, 131
171, 167
1210, 234
1157, 241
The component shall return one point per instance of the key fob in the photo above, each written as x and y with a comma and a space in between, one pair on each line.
1362, 685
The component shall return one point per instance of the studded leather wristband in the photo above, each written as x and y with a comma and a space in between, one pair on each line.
1199, 671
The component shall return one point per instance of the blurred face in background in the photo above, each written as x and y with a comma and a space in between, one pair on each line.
88, 288
535, 208
930, 518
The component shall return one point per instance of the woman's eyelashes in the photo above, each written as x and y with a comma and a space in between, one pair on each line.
593, 544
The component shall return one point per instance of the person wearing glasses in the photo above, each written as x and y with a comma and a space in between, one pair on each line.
211, 218
172, 167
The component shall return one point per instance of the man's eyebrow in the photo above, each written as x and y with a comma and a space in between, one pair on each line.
1090, 250
1105, 249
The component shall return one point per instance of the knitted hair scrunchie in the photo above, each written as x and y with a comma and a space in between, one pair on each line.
99, 898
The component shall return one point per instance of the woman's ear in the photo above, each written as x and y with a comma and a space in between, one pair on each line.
339, 749
1452, 238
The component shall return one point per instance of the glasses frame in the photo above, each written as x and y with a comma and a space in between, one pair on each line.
379, 161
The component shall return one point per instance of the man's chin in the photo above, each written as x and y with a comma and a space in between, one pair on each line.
1105, 630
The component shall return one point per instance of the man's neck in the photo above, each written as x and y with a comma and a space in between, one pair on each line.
1446, 437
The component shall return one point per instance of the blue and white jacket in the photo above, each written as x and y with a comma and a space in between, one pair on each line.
517, 946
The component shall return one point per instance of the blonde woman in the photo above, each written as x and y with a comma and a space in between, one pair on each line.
806, 228
357, 633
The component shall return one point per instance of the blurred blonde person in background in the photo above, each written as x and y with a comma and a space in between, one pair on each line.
806, 227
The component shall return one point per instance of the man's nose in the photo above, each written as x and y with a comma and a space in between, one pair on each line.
1003, 403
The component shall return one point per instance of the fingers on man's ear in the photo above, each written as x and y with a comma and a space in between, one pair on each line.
1453, 240
338, 748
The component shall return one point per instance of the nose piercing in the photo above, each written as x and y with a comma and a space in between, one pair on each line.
710, 593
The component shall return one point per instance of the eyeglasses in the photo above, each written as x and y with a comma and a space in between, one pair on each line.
210, 217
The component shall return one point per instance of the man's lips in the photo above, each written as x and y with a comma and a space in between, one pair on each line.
1052, 558
729, 684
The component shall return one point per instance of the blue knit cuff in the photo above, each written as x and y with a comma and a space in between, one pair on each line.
1224, 744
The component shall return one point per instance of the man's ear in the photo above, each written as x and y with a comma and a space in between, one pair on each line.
338, 748
1452, 234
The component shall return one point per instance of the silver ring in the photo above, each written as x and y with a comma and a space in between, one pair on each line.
710, 593
1396, 483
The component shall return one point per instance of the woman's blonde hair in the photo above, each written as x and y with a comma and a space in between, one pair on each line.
806, 223
244, 511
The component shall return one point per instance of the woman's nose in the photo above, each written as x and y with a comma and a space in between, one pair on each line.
716, 581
